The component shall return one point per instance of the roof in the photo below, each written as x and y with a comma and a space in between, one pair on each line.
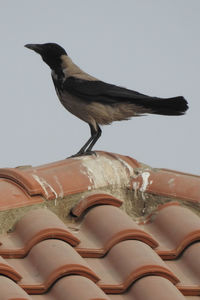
97, 228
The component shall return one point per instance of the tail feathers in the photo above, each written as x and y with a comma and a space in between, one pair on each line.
170, 106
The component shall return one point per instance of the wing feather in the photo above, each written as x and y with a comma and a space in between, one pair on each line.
100, 91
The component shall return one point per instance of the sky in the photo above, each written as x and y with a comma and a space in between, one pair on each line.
151, 46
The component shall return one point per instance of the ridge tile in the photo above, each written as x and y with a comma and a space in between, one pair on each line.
13, 195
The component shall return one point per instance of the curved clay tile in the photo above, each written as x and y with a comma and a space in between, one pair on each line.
149, 218
73, 175
95, 199
187, 268
9, 290
151, 288
125, 263
73, 287
175, 184
22, 177
103, 227
13, 195
127, 161
7, 270
51, 180
174, 228
35, 226
48, 261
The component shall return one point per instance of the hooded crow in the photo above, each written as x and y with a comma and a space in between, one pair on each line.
97, 102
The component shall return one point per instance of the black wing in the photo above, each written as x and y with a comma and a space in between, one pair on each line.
100, 91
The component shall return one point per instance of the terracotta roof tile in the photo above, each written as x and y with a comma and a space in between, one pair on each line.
171, 184
101, 253
13, 195
28, 233
187, 268
98, 234
74, 288
9, 290
51, 180
92, 200
57, 179
7, 270
174, 228
46, 262
150, 288
132, 259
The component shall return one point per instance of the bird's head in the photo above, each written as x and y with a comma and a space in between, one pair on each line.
51, 53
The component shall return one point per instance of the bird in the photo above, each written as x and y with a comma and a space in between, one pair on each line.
95, 101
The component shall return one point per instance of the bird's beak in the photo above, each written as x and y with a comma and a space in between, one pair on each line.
36, 47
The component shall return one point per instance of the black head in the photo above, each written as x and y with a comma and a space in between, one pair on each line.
50, 52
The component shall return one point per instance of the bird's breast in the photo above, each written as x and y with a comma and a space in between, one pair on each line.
75, 106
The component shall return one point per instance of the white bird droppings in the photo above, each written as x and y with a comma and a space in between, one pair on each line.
45, 185
145, 182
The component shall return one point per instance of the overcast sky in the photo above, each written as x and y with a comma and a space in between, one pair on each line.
151, 46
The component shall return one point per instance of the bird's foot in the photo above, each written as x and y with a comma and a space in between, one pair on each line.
78, 154
90, 152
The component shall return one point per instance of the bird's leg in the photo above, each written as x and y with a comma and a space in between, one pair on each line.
96, 135
83, 150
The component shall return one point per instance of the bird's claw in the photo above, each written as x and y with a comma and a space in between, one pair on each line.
78, 154
90, 153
